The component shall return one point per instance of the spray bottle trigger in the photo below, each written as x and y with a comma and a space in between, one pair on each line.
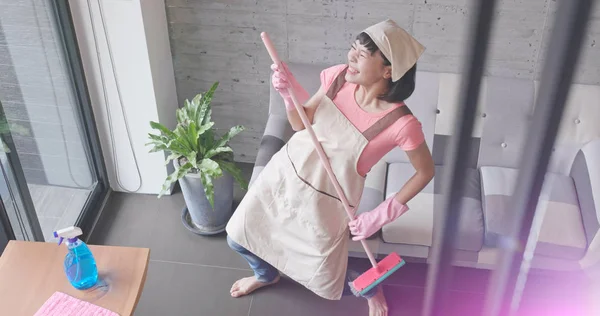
60, 240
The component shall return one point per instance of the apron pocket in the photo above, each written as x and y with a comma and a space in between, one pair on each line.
322, 218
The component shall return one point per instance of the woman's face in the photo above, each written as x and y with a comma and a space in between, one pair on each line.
365, 68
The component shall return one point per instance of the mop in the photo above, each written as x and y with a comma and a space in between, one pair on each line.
392, 262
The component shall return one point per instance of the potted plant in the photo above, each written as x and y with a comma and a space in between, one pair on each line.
203, 164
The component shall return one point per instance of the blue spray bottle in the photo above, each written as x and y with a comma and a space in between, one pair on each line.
80, 265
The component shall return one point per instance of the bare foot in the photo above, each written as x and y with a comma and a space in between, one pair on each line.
248, 285
378, 305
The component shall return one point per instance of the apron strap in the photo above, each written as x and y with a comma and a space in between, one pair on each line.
386, 122
337, 84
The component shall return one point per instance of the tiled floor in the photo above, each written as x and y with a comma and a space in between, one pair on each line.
57, 207
192, 275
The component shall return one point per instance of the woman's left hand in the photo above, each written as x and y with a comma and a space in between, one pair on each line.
368, 223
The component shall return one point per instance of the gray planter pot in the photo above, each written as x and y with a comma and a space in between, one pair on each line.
198, 216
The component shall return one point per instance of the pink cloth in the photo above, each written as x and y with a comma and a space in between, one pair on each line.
368, 223
407, 132
61, 304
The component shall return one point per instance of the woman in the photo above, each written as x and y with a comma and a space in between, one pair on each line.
291, 220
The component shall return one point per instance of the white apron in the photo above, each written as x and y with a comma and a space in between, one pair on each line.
291, 216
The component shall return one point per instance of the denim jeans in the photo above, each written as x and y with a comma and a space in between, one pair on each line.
264, 272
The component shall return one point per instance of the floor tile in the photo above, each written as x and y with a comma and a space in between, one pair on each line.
37, 193
407, 300
553, 296
470, 280
55, 201
73, 209
291, 299
465, 303
182, 290
48, 225
190, 248
127, 220
404, 300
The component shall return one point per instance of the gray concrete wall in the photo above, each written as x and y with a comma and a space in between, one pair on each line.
36, 93
219, 40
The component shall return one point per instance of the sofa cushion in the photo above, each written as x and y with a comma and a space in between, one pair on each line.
416, 226
508, 114
561, 234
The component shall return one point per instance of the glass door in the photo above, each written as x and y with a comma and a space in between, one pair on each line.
6, 232
51, 167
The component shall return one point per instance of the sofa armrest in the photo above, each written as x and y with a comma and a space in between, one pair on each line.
277, 132
585, 172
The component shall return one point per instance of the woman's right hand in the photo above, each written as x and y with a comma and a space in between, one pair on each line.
280, 80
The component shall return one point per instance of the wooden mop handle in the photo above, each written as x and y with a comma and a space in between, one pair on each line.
320, 152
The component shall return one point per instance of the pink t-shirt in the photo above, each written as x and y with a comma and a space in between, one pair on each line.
406, 132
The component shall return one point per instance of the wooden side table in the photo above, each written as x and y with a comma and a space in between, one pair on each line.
30, 272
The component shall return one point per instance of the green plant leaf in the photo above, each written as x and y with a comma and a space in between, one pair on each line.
205, 127
196, 100
182, 117
205, 107
176, 175
171, 157
192, 134
210, 167
205, 142
176, 146
229, 135
208, 189
193, 158
165, 131
215, 151
157, 147
207, 116
195, 108
158, 140
235, 171
156, 144
183, 139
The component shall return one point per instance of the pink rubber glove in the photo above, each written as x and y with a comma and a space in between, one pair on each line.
282, 79
368, 223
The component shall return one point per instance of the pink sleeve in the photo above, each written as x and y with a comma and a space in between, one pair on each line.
329, 74
411, 135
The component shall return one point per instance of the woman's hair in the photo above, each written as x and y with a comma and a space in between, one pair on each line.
397, 91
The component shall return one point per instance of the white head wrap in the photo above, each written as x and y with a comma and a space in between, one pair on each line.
399, 47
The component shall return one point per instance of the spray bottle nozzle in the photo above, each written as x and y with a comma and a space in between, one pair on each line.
70, 232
